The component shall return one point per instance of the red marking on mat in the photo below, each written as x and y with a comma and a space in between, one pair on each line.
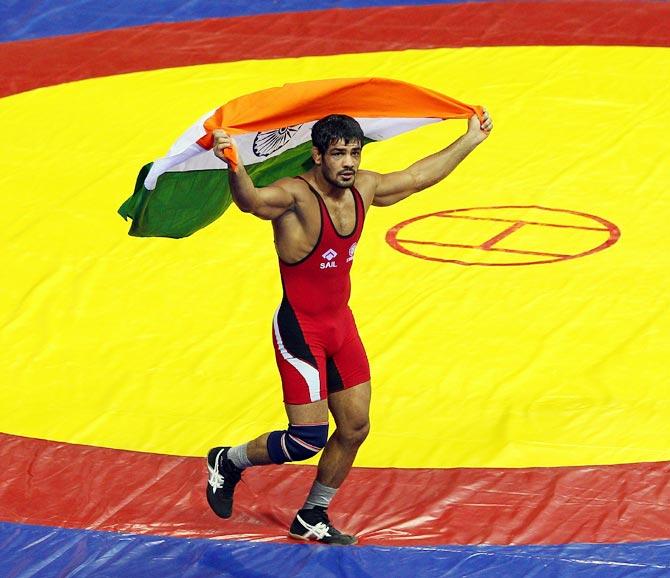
74, 486
393, 239
549, 23
457, 246
496, 219
487, 245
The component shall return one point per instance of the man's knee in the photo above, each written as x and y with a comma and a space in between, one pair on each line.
354, 434
299, 442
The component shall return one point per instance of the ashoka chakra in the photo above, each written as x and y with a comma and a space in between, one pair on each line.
271, 141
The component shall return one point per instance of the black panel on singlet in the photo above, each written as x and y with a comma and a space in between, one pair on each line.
291, 334
333, 378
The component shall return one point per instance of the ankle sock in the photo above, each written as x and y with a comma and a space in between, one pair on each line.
238, 455
319, 496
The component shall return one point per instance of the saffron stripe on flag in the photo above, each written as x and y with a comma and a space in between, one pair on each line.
185, 190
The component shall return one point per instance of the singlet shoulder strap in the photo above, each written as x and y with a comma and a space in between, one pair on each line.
311, 188
359, 198
322, 203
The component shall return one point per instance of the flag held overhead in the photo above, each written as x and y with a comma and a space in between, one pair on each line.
186, 189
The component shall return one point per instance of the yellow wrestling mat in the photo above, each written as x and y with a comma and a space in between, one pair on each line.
165, 346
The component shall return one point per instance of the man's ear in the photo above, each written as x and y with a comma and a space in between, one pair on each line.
316, 156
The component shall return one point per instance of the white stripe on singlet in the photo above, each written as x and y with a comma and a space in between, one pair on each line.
309, 373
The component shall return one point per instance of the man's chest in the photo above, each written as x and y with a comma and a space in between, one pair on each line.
341, 213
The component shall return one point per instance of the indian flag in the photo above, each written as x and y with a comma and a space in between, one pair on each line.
187, 189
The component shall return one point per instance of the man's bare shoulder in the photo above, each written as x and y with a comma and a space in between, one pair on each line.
366, 184
285, 183
297, 187
299, 192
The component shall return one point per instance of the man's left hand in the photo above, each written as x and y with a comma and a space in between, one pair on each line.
480, 130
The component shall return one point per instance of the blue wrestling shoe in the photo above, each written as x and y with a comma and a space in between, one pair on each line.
223, 477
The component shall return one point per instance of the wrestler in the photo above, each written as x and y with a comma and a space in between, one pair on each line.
317, 219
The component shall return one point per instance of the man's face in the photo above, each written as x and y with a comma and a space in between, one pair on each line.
339, 164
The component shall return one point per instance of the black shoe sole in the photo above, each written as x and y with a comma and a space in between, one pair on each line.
303, 539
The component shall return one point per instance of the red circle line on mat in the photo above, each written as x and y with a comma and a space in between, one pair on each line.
548, 23
513, 225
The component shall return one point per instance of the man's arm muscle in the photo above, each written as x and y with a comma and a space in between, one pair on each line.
393, 187
266, 202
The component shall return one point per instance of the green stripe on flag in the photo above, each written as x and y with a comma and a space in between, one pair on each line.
185, 202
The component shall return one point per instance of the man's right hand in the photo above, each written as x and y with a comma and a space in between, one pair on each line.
222, 141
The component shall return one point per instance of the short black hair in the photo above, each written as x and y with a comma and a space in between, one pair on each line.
333, 128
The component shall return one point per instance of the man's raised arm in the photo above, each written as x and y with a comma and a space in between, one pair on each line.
266, 202
394, 187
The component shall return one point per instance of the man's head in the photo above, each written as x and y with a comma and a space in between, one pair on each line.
337, 141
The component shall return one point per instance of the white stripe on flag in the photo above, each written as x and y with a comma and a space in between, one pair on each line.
191, 157
309, 373
184, 148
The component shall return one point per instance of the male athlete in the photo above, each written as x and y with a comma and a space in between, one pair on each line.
317, 220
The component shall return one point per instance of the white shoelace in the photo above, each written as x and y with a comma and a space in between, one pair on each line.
319, 530
215, 478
